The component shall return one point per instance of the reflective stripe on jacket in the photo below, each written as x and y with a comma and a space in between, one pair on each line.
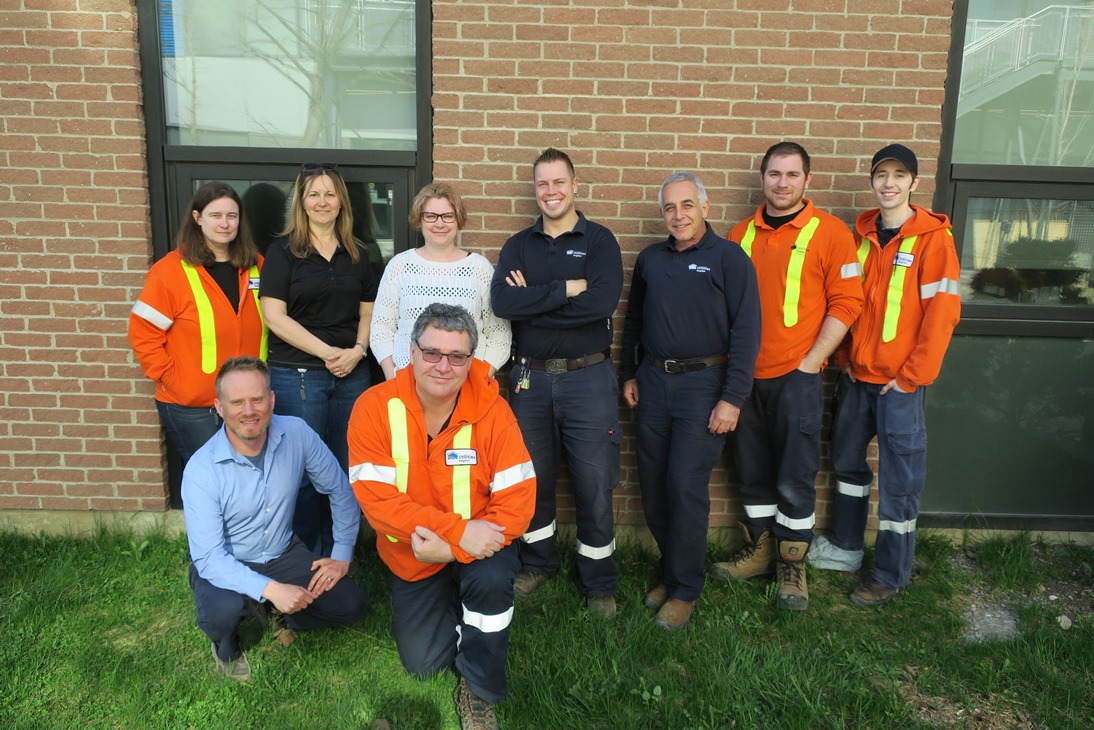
182, 328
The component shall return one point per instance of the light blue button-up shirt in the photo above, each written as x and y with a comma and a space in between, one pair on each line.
235, 512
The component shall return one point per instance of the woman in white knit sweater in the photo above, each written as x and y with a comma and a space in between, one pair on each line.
438, 271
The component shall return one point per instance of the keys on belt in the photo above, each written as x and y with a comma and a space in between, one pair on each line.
672, 367
559, 365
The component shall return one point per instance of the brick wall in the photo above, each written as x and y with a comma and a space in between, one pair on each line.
77, 428
636, 90
632, 89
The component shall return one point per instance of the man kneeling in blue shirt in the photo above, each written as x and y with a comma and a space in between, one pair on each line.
239, 495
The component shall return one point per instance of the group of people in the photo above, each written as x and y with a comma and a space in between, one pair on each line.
262, 384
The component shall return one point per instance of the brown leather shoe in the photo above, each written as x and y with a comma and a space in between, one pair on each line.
657, 596
675, 614
602, 606
527, 582
874, 593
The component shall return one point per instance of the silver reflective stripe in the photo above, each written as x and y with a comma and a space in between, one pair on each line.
803, 523
900, 528
541, 534
513, 475
853, 490
761, 510
485, 623
373, 473
945, 286
596, 553
850, 271
152, 316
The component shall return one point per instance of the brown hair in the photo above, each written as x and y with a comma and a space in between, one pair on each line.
552, 155
436, 191
299, 232
243, 363
190, 241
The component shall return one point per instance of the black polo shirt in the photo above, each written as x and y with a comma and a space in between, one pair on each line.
324, 297
699, 302
545, 323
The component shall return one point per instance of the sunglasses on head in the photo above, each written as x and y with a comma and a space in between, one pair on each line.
313, 166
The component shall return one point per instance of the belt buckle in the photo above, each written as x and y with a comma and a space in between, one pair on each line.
555, 366
672, 367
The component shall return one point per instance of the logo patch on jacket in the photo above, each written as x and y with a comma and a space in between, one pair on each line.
252, 283
575, 253
698, 268
461, 457
904, 259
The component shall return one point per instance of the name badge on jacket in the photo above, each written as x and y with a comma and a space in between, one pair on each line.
461, 457
904, 259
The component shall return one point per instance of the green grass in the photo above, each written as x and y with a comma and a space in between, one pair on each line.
100, 633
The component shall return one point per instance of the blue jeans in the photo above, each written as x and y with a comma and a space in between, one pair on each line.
676, 455
188, 428
325, 403
577, 411
898, 422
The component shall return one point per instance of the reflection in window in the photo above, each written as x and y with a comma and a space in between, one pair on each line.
1029, 251
1027, 84
290, 73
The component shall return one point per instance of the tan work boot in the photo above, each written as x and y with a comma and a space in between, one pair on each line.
475, 713
790, 574
754, 558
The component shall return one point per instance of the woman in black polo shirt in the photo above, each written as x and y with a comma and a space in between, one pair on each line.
317, 292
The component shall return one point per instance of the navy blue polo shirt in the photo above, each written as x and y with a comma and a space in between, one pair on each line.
545, 323
699, 302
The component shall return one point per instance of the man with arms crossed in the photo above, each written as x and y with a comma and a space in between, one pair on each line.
694, 310
439, 468
559, 282
810, 293
239, 495
912, 279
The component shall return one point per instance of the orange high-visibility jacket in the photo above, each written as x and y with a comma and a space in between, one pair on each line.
476, 469
913, 301
829, 282
181, 340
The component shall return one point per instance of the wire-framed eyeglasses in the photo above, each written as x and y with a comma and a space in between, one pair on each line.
455, 359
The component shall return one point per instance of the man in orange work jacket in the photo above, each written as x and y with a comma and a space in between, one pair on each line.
912, 280
810, 292
441, 472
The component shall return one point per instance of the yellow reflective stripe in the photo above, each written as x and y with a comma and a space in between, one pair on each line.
750, 236
400, 445
794, 272
863, 253
461, 476
206, 321
264, 348
896, 292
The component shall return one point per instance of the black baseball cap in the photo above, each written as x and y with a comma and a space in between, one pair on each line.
897, 152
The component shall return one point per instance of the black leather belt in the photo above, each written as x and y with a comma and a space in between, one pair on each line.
557, 365
687, 366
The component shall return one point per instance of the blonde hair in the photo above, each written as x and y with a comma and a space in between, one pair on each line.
299, 231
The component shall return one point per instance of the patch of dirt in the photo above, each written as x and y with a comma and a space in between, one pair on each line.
984, 713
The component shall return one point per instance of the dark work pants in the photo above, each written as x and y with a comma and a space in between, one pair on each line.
676, 455
577, 411
221, 611
777, 449
898, 421
325, 402
459, 616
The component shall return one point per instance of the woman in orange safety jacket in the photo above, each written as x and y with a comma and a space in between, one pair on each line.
198, 308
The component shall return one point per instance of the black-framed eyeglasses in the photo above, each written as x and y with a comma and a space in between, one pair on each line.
313, 166
455, 359
432, 217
